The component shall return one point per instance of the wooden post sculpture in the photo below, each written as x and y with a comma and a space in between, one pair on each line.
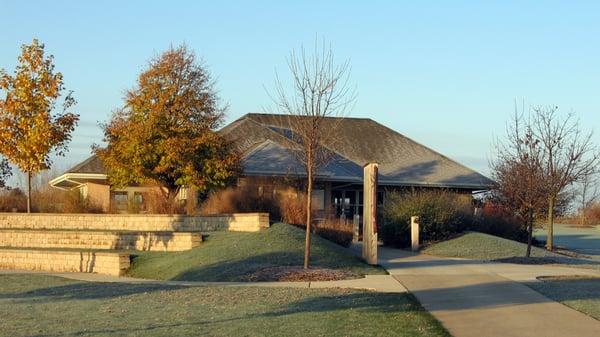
414, 233
369, 251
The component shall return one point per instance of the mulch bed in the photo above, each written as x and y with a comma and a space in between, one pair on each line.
297, 273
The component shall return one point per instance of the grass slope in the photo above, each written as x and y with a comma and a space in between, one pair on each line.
579, 293
227, 256
481, 246
34, 305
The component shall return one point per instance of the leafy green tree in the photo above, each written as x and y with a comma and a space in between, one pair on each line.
30, 127
165, 133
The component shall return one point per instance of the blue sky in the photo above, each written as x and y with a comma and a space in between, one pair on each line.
445, 73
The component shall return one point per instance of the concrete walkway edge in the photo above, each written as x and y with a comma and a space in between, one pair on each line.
377, 283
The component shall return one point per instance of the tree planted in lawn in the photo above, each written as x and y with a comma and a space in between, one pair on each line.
165, 132
319, 89
30, 127
518, 175
544, 154
569, 156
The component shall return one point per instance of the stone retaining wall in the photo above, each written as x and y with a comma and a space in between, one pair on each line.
242, 222
144, 241
65, 261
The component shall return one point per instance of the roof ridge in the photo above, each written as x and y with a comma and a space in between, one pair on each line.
298, 116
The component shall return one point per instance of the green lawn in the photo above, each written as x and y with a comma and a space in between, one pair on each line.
482, 246
579, 293
35, 305
228, 256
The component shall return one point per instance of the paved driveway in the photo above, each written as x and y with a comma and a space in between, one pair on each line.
582, 240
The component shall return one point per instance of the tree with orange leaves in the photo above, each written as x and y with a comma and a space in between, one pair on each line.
165, 133
30, 127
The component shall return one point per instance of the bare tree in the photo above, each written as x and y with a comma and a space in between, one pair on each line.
518, 173
569, 156
319, 90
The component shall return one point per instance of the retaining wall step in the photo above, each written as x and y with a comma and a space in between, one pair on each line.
110, 263
242, 222
82, 239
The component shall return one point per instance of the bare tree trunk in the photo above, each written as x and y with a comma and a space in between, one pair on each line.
171, 199
550, 236
529, 233
319, 90
28, 192
582, 209
309, 188
191, 202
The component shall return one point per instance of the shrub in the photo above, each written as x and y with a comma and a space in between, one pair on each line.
47, 200
588, 216
336, 230
287, 205
502, 225
442, 215
233, 200
51, 200
154, 202
73, 202
292, 207
13, 200
219, 202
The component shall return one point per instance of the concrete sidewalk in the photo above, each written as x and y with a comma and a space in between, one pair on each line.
378, 283
474, 298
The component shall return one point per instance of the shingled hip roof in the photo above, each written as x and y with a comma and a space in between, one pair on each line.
267, 148
264, 140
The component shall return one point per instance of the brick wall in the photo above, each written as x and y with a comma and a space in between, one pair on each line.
241, 222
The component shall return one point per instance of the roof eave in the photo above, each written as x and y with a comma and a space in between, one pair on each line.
70, 178
381, 181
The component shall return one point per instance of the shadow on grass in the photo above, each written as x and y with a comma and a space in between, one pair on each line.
235, 270
569, 288
365, 302
85, 291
